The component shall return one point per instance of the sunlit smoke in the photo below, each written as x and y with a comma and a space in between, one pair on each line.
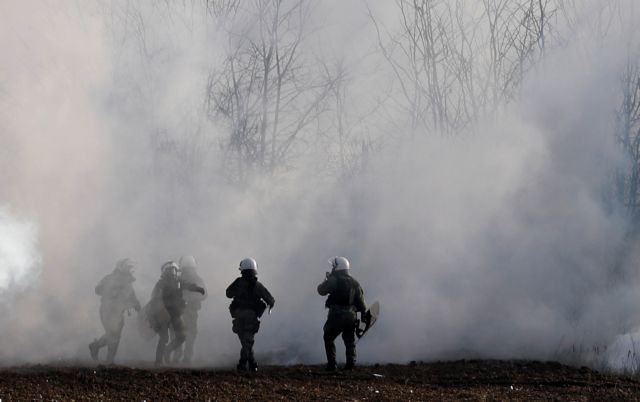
19, 255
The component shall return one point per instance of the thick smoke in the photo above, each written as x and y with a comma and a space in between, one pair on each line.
19, 255
497, 243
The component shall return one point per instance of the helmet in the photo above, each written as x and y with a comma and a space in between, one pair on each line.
124, 265
169, 268
339, 264
248, 263
187, 261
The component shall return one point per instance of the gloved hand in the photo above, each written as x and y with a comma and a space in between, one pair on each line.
200, 290
365, 316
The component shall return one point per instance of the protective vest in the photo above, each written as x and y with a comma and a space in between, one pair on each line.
247, 296
171, 293
116, 288
345, 292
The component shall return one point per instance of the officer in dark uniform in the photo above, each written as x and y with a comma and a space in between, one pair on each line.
189, 274
167, 294
250, 299
116, 296
346, 298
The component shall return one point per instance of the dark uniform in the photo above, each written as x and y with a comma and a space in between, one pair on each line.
249, 298
116, 296
346, 298
168, 293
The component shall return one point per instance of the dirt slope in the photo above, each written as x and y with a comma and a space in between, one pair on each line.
460, 380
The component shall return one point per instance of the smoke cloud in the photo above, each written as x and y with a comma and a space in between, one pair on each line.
497, 243
19, 256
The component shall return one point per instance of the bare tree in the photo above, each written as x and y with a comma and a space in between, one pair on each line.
221, 8
628, 136
455, 63
266, 92
347, 124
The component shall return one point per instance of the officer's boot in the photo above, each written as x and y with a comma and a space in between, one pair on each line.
351, 359
350, 349
112, 348
351, 364
330, 349
94, 349
160, 350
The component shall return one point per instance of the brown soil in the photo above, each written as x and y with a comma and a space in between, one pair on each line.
460, 380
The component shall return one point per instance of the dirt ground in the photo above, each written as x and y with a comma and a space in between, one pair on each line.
461, 380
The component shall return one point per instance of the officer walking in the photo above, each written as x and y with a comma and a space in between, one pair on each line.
116, 296
346, 298
250, 299
193, 300
167, 308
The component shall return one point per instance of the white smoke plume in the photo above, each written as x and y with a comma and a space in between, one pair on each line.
19, 255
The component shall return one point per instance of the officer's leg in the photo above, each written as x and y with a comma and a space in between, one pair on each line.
246, 353
349, 338
94, 347
163, 332
174, 353
112, 349
245, 333
237, 329
178, 328
242, 363
191, 328
114, 338
250, 340
102, 341
97, 344
330, 334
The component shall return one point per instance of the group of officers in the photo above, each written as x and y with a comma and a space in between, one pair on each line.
172, 312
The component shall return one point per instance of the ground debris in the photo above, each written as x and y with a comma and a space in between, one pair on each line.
458, 380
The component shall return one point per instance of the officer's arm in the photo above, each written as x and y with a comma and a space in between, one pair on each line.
327, 286
100, 287
133, 300
360, 303
266, 296
192, 287
232, 289
156, 293
201, 283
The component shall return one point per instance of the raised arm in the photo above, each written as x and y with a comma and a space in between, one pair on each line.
327, 286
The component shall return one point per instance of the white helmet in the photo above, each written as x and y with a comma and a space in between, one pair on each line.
124, 265
339, 264
187, 261
169, 268
248, 263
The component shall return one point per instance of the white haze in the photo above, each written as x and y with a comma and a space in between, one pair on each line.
19, 256
497, 243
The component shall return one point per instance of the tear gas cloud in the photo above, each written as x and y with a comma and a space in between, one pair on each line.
19, 255
498, 242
